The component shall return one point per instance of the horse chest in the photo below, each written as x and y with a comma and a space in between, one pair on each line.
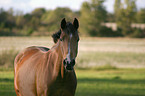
62, 87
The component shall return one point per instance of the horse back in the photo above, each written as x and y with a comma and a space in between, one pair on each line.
28, 52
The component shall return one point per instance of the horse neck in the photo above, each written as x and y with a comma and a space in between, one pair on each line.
57, 52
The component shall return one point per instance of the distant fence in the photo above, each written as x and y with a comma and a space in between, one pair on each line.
113, 26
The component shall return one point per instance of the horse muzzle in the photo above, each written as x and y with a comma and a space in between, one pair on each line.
69, 65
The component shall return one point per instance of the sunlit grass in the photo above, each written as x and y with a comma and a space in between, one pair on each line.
114, 59
7, 58
85, 44
98, 66
93, 52
111, 82
6, 83
118, 82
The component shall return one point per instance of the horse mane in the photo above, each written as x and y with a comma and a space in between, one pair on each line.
56, 36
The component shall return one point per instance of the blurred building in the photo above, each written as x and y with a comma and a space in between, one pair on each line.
113, 26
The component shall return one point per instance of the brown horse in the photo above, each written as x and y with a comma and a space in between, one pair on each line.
40, 71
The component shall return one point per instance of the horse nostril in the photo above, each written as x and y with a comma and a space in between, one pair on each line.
65, 61
69, 65
73, 62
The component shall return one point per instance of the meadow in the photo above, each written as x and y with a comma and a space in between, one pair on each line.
93, 52
120, 82
105, 66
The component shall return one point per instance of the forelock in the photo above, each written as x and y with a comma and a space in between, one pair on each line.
70, 28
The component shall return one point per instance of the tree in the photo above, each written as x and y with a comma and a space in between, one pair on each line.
19, 19
110, 17
117, 6
52, 18
3, 16
38, 12
93, 13
125, 15
85, 18
140, 17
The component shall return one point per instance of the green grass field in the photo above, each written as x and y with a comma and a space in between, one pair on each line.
117, 82
105, 66
121, 82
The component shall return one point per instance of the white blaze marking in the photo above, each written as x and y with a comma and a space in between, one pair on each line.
70, 36
68, 55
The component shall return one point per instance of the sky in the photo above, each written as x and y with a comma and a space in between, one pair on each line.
29, 5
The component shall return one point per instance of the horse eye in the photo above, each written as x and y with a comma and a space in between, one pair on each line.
78, 40
60, 39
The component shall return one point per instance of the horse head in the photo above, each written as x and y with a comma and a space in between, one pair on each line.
68, 37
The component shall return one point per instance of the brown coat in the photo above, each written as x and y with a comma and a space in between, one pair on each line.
40, 72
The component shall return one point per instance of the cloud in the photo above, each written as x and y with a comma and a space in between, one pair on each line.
16, 5
29, 5
52, 4
109, 4
140, 4
5, 3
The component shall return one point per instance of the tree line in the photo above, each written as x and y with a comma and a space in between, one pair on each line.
42, 22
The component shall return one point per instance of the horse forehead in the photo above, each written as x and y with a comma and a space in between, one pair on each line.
69, 24
72, 36
70, 28
71, 33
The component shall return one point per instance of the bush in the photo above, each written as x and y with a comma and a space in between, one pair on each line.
138, 33
6, 32
108, 32
30, 31
7, 58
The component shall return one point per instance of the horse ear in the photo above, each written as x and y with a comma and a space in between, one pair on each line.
63, 23
76, 23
